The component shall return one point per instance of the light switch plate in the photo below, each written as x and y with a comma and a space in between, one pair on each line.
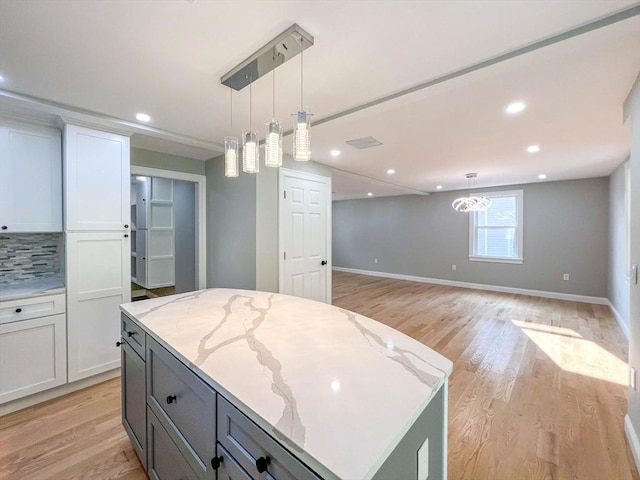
423, 461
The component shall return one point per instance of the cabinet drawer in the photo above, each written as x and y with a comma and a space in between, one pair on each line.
133, 334
250, 445
229, 468
33, 307
164, 460
185, 405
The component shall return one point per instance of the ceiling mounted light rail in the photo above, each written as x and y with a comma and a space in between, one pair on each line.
282, 48
471, 203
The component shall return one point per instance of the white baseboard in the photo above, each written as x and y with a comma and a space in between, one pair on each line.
40, 397
623, 326
634, 442
480, 286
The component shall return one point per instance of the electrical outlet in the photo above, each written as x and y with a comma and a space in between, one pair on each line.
375, 260
632, 378
565, 276
453, 267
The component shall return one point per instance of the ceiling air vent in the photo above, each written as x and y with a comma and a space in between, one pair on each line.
365, 142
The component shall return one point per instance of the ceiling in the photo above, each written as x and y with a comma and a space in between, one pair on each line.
107, 61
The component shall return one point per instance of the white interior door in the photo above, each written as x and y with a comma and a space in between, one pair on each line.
160, 234
98, 281
305, 235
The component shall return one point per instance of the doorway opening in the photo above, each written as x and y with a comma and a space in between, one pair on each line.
167, 233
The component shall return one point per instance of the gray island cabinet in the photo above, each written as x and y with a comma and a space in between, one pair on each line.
228, 384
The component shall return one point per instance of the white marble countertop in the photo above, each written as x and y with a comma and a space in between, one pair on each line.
342, 388
31, 288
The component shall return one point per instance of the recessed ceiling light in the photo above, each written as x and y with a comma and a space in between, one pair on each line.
391, 171
335, 153
542, 176
439, 187
533, 148
370, 194
142, 117
515, 107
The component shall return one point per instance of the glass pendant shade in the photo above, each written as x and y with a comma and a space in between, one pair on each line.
301, 141
231, 157
250, 152
273, 145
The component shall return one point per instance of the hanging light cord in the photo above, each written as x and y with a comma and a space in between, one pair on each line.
274, 93
250, 102
231, 107
301, 73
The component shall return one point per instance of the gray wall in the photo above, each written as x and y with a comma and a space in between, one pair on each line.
165, 161
184, 205
565, 231
618, 287
632, 113
231, 228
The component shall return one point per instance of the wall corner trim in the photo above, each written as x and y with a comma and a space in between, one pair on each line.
480, 286
633, 440
623, 326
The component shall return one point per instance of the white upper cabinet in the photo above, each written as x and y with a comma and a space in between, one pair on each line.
30, 178
97, 188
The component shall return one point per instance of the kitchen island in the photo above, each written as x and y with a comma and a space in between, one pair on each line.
234, 384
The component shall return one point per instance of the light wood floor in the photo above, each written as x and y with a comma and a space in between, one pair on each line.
537, 391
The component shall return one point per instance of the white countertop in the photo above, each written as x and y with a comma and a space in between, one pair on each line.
31, 288
342, 388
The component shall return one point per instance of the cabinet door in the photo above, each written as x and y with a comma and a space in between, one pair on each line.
97, 183
134, 400
98, 281
164, 459
32, 356
30, 178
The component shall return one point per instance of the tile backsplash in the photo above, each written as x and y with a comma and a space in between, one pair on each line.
30, 256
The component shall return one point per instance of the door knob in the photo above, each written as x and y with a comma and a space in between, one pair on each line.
126, 235
4, 227
126, 226
216, 461
262, 463
118, 344
323, 262
171, 399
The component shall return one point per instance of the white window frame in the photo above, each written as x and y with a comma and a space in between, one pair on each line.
519, 194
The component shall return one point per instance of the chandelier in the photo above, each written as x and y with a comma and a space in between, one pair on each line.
285, 46
471, 203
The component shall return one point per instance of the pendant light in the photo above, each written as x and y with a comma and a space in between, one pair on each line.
301, 141
273, 142
231, 148
471, 203
250, 144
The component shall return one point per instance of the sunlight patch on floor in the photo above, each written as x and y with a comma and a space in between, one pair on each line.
567, 349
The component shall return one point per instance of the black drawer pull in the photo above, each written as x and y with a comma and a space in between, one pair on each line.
131, 333
262, 463
118, 344
18, 310
216, 461
171, 399
4, 227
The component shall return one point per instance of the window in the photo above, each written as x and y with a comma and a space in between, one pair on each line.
495, 235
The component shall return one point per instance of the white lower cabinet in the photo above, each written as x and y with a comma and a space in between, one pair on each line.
98, 281
33, 351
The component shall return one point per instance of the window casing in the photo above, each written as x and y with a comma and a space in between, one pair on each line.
495, 235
